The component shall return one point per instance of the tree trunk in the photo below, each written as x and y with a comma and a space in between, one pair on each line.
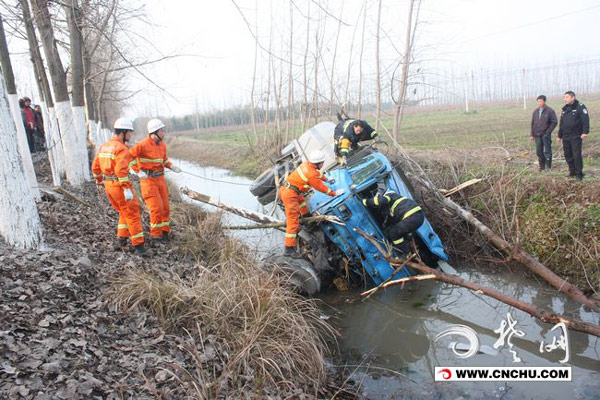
399, 108
77, 165
331, 82
11, 92
544, 316
19, 219
55, 150
77, 81
290, 86
377, 69
360, 62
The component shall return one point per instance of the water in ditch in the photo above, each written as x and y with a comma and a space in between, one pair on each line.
387, 342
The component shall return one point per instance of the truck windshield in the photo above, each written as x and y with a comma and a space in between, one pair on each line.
361, 174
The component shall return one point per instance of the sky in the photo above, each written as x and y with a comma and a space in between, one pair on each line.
217, 49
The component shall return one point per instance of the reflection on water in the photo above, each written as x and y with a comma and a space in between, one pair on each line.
387, 340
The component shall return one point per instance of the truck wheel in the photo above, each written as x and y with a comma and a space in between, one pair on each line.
268, 197
264, 183
299, 273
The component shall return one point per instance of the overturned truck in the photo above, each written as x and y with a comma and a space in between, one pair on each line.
333, 247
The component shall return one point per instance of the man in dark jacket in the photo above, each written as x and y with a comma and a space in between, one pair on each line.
543, 122
348, 133
573, 130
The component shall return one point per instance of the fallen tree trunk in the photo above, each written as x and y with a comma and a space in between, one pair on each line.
512, 251
544, 316
251, 215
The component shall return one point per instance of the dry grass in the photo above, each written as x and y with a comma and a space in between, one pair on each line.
265, 338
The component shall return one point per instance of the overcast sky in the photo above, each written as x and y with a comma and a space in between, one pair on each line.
455, 34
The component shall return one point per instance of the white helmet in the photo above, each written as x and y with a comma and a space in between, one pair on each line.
154, 125
123, 123
316, 157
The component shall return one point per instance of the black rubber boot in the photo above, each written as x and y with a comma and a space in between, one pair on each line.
291, 252
140, 250
167, 237
548, 165
121, 244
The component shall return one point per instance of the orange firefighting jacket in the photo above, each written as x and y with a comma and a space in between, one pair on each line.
149, 156
306, 176
112, 162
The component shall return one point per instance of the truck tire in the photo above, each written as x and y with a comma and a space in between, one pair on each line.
268, 197
264, 183
299, 273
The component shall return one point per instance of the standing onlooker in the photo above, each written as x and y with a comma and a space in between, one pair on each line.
41, 133
573, 130
543, 123
28, 116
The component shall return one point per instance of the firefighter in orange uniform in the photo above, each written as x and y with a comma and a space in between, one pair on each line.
111, 165
150, 161
292, 192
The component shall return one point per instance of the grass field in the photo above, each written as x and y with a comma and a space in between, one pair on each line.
485, 128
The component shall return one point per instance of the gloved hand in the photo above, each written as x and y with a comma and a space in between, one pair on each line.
142, 175
175, 169
128, 194
344, 161
339, 192
378, 139
99, 184
330, 180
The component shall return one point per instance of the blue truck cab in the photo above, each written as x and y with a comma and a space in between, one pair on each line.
339, 247
368, 171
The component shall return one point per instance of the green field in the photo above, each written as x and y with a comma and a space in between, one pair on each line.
497, 129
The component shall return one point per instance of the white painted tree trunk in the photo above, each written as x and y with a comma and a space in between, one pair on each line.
76, 164
99, 138
19, 219
49, 144
57, 146
107, 134
80, 128
23, 144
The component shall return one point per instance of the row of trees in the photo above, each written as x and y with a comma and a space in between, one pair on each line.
77, 102
372, 58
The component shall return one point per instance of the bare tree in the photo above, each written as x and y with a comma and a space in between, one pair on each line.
11, 92
77, 166
56, 153
77, 80
406, 60
360, 63
377, 68
19, 219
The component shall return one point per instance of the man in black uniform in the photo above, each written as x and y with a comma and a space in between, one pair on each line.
348, 133
573, 130
402, 216
543, 122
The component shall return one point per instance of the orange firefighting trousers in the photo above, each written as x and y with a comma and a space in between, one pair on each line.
295, 205
156, 197
130, 223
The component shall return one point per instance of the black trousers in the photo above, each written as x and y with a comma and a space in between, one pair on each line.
30, 139
403, 229
543, 148
572, 147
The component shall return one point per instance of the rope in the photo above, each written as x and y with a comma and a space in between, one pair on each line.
217, 180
